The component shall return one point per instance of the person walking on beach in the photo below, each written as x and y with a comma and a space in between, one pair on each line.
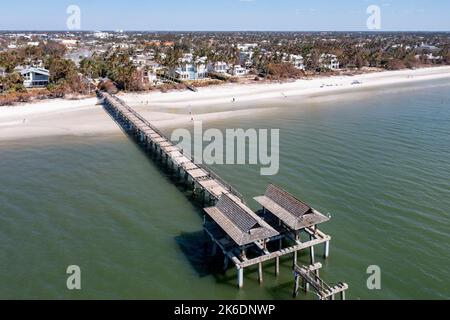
190, 112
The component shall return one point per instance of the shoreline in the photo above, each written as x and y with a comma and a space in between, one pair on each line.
261, 91
57, 117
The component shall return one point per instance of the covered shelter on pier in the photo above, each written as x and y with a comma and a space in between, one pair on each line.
292, 215
292, 212
237, 228
239, 222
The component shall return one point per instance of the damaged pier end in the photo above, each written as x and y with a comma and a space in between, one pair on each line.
236, 230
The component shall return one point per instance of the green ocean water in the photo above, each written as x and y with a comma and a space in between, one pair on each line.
378, 163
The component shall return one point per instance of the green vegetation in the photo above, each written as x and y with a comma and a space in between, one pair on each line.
116, 66
64, 74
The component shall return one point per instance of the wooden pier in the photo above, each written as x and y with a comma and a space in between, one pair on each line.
284, 227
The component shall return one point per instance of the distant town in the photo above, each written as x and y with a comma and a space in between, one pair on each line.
41, 65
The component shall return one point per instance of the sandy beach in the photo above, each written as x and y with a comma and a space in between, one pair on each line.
86, 117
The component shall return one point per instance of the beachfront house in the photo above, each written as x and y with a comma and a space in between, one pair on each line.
246, 52
218, 67
329, 61
246, 58
189, 70
35, 77
427, 47
297, 61
433, 59
150, 73
238, 71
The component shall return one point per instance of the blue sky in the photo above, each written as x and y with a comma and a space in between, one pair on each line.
172, 15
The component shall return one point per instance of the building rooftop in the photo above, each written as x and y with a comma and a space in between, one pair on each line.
240, 222
294, 213
42, 71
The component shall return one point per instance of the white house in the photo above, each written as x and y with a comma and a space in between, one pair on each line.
189, 70
33, 43
425, 46
238, 71
101, 35
246, 52
246, 58
329, 61
150, 73
247, 47
218, 67
68, 43
35, 77
297, 61
431, 57
141, 60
